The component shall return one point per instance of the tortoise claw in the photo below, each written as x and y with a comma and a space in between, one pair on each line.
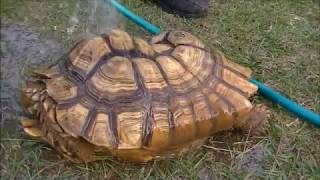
30, 127
26, 123
34, 132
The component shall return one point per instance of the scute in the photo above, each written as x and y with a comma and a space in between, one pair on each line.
183, 121
204, 115
152, 77
197, 61
161, 128
143, 47
162, 48
87, 54
61, 89
72, 118
101, 133
243, 71
240, 104
114, 79
237, 76
130, 129
120, 40
239, 82
220, 106
180, 79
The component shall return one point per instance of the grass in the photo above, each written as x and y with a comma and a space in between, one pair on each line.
279, 40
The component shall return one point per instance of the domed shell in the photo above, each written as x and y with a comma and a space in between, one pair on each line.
123, 93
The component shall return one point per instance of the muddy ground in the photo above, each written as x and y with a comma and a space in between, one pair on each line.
21, 50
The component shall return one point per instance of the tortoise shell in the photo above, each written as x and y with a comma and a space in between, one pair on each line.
137, 100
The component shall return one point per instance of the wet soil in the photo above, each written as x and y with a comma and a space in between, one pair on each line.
21, 49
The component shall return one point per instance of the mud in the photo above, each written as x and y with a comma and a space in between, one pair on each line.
21, 49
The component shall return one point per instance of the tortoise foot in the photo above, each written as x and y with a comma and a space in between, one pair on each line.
256, 121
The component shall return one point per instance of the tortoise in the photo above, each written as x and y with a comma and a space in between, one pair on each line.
117, 94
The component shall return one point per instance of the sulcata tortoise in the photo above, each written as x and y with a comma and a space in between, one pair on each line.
136, 100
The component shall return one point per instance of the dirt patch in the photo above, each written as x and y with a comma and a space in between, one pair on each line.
21, 48
251, 161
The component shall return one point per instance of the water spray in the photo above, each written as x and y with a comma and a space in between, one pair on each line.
267, 92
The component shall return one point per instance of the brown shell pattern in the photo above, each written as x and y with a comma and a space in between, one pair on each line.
121, 92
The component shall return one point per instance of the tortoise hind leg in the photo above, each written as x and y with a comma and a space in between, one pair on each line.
255, 122
76, 150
